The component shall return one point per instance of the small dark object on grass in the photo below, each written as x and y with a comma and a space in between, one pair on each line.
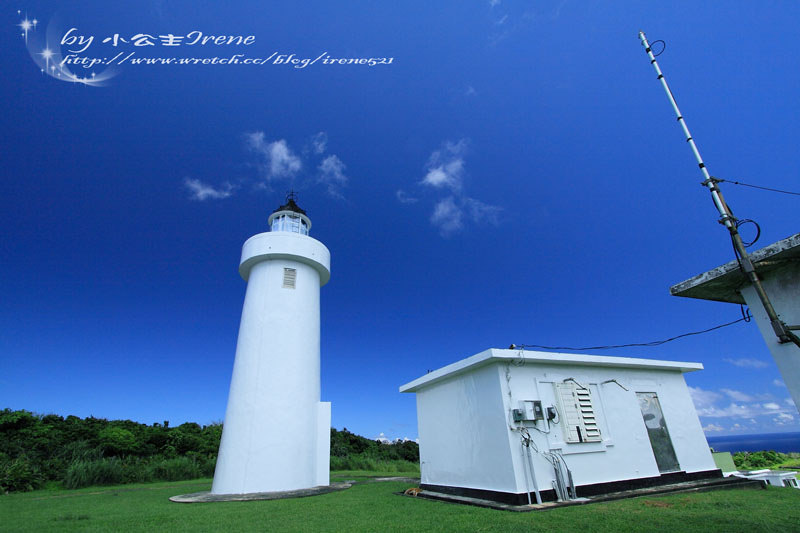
72, 517
653, 503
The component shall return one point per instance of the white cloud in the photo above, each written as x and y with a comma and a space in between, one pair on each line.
255, 141
470, 91
738, 396
278, 160
404, 198
482, 212
745, 362
331, 174
493, 3
710, 428
201, 191
778, 383
319, 142
438, 177
783, 418
732, 410
789, 402
447, 216
445, 170
282, 162
703, 398
386, 440
744, 406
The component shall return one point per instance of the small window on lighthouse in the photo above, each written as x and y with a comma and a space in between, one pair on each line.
289, 278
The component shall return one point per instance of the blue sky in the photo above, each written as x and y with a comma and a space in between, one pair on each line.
514, 175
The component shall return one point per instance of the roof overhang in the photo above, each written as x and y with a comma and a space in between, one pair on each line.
494, 355
722, 284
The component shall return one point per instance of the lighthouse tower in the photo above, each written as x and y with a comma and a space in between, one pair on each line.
276, 435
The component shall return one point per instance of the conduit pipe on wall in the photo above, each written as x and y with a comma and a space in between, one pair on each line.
526, 451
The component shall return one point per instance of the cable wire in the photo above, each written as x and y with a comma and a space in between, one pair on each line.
745, 318
663, 47
758, 187
744, 221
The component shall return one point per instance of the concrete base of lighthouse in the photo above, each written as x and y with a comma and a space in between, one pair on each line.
207, 497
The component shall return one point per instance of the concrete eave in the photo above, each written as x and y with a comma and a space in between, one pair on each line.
722, 284
493, 355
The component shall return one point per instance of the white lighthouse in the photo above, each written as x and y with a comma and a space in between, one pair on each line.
276, 435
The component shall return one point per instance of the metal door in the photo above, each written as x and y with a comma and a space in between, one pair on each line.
658, 432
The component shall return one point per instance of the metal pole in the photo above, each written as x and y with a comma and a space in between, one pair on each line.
527, 485
726, 216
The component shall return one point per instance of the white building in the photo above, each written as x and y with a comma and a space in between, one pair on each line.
778, 267
776, 478
515, 426
276, 435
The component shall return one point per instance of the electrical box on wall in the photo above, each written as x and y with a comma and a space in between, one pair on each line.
529, 410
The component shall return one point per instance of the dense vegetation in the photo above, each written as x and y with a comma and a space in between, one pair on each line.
76, 452
768, 459
353, 452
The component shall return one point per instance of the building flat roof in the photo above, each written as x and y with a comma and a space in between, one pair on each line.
529, 357
722, 283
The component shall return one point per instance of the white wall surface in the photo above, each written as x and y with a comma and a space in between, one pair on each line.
463, 435
285, 245
323, 458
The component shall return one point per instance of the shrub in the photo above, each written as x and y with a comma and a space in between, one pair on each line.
174, 469
118, 441
756, 460
19, 475
106, 471
115, 470
361, 462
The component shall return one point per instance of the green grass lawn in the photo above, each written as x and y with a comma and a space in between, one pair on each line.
374, 506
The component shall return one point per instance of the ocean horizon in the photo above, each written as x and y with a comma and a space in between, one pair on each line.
779, 442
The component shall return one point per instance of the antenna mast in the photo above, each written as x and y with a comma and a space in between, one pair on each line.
782, 331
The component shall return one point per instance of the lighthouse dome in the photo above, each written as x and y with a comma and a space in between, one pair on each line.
290, 217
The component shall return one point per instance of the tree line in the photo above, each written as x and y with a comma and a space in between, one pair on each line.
38, 450
765, 459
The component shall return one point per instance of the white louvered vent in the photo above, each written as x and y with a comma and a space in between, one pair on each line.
580, 424
289, 278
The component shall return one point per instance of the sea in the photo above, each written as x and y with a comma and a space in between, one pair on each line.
778, 442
